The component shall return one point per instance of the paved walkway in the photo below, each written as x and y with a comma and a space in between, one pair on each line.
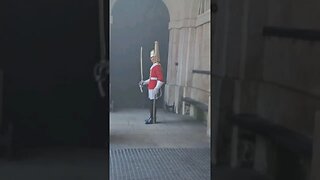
127, 130
177, 147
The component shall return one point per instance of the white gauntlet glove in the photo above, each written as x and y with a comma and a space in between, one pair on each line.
144, 82
158, 86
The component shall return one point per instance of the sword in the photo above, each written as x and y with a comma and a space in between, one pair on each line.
141, 70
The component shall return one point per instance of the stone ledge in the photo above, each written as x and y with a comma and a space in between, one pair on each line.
203, 18
185, 23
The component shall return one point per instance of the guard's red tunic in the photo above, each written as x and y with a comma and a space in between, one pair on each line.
155, 75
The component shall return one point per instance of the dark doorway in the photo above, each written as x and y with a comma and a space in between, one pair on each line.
49, 89
136, 23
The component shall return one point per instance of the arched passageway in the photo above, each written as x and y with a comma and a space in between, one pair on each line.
143, 22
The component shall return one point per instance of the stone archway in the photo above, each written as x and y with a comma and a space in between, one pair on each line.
143, 22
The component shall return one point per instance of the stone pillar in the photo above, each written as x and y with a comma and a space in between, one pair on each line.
201, 82
184, 59
169, 82
189, 60
182, 52
181, 45
172, 66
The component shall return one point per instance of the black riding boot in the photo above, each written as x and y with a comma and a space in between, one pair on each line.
152, 117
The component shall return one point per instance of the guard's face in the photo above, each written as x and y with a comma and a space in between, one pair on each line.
153, 59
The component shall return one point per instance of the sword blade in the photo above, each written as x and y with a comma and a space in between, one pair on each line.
141, 68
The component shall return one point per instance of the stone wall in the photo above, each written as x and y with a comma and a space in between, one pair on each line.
277, 78
294, 64
189, 49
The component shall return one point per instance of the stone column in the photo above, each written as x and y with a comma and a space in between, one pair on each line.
182, 35
182, 51
172, 68
201, 82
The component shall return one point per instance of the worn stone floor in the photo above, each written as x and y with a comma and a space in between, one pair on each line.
176, 147
127, 130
